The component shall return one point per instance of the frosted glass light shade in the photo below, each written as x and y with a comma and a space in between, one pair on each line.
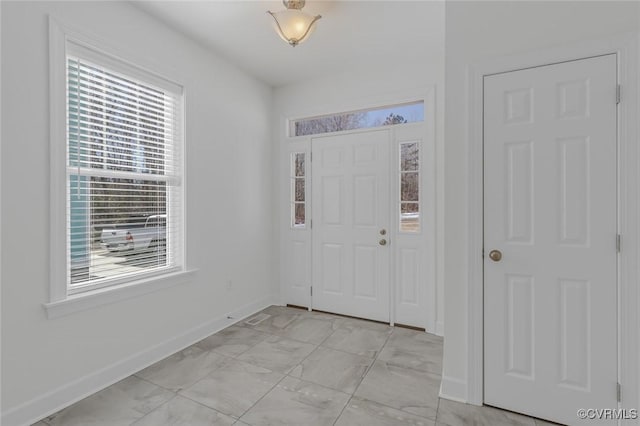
293, 25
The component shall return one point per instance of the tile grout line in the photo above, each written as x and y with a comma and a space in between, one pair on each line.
197, 380
405, 366
154, 384
343, 408
362, 378
145, 415
262, 397
375, 358
435, 422
353, 353
399, 410
380, 403
367, 372
246, 362
286, 374
236, 358
372, 359
174, 394
319, 345
251, 346
206, 406
302, 316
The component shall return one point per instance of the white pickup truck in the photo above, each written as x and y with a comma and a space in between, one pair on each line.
152, 235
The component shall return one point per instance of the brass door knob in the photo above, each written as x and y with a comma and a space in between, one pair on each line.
383, 242
495, 255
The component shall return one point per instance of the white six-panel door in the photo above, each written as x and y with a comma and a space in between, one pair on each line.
350, 202
550, 321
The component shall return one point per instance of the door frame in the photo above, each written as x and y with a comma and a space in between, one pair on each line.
429, 150
625, 46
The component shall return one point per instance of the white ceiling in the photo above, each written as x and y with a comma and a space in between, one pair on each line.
353, 35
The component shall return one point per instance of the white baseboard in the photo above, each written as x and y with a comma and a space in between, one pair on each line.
453, 389
440, 328
65, 395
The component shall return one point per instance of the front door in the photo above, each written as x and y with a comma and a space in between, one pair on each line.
350, 205
550, 239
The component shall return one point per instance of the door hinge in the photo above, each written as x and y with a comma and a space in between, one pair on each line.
311, 290
618, 243
618, 93
311, 156
311, 223
619, 392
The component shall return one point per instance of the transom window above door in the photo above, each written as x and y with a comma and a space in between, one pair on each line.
361, 119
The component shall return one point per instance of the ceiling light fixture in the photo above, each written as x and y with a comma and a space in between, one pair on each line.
293, 25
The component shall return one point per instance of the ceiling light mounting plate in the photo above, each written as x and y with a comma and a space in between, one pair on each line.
293, 4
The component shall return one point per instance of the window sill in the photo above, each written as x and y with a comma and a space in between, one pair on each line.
103, 296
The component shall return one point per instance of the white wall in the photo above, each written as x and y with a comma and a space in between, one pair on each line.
355, 89
476, 31
229, 232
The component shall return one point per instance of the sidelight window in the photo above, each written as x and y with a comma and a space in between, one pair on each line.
298, 190
409, 187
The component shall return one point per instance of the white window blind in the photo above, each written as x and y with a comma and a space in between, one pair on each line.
124, 173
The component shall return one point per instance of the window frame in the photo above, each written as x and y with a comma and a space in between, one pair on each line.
418, 172
293, 179
62, 42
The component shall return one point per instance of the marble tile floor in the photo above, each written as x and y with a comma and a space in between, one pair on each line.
294, 368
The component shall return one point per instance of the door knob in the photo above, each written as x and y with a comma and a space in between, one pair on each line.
383, 242
495, 255
383, 232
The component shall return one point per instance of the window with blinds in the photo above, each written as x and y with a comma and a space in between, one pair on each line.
124, 173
